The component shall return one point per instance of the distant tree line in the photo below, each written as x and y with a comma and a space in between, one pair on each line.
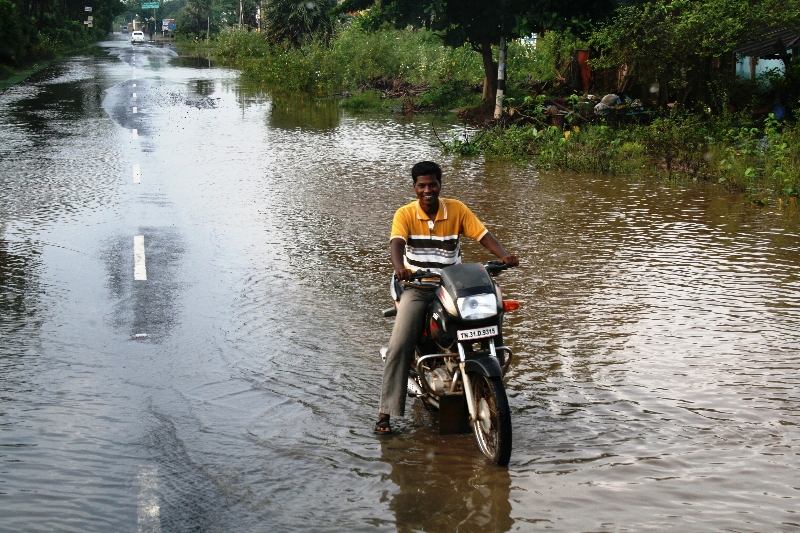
683, 47
39, 29
289, 21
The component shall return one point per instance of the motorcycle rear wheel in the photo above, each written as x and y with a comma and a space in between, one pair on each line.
493, 426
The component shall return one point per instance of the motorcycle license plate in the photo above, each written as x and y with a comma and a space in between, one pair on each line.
478, 333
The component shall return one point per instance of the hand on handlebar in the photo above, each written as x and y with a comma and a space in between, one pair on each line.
496, 266
403, 274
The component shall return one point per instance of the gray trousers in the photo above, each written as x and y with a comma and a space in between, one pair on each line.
407, 329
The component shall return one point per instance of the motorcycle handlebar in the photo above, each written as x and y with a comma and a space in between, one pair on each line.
421, 274
495, 266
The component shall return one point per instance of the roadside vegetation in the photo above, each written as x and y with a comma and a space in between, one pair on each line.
34, 31
758, 157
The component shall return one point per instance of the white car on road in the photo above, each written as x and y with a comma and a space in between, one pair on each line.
137, 37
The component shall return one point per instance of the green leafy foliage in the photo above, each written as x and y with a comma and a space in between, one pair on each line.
679, 141
760, 160
351, 60
33, 30
546, 61
450, 94
682, 45
364, 101
596, 148
295, 23
13, 42
482, 24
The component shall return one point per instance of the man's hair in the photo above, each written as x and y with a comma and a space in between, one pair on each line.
426, 168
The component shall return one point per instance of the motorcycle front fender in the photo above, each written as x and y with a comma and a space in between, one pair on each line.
487, 366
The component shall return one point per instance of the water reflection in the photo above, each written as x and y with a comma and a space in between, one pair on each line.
305, 114
191, 62
202, 86
41, 111
19, 288
443, 487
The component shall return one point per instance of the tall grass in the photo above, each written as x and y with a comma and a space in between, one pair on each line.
349, 61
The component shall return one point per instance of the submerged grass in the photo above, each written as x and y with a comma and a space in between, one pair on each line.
761, 159
592, 148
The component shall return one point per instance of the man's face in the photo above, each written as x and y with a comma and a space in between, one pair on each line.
427, 189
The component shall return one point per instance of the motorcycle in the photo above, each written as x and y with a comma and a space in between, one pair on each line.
460, 359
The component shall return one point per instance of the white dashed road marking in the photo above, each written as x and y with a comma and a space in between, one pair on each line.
139, 268
135, 133
135, 110
134, 95
149, 508
137, 173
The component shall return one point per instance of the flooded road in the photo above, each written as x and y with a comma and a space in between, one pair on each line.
225, 377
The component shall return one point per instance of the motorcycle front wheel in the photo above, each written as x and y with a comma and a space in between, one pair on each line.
493, 425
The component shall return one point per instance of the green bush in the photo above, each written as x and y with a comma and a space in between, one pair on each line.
680, 141
364, 101
450, 94
760, 161
547, 61
350, 61
592, 148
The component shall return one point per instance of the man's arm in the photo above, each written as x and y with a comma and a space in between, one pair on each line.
493, 245
398, 253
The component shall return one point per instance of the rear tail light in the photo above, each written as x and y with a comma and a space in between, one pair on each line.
510, 305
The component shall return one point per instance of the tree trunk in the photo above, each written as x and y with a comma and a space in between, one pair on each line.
501, 80
489, 71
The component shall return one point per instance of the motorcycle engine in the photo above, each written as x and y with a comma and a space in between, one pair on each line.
440, 380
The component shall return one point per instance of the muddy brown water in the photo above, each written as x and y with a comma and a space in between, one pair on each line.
656, 377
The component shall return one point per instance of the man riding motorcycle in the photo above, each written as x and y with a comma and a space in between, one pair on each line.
425, 235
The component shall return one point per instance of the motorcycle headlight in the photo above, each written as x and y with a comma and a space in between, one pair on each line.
477, 306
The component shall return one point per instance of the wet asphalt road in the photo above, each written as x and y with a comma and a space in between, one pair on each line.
190, 274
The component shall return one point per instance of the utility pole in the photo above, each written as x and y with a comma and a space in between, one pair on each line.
501, 80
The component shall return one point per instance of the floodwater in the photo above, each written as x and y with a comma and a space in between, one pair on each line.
234, 389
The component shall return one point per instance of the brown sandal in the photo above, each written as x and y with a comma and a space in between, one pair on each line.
382, 426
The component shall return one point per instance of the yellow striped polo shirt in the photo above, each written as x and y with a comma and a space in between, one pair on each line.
435, 244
